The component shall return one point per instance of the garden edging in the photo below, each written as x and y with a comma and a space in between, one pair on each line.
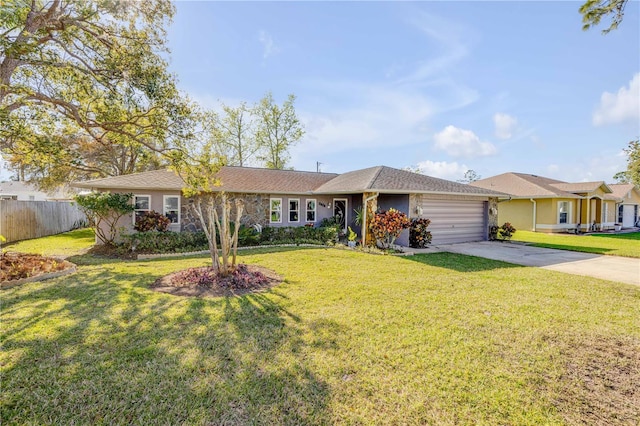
47, 276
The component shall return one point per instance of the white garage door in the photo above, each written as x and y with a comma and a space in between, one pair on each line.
455, 221
628, 216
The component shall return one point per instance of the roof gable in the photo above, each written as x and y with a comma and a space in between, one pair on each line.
623, 190
525, 186
583, 187
385, 179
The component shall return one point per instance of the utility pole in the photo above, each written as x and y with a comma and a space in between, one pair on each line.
318, 166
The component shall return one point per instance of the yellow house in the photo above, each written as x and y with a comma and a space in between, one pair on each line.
542, 204
628, 204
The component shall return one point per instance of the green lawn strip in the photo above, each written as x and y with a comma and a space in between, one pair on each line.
627, 245
348, 338
66, 244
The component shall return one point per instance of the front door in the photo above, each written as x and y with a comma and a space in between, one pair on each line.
340, 211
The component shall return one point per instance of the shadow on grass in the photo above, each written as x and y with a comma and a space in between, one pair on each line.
99, 347
460, 262
593, 250
626, 236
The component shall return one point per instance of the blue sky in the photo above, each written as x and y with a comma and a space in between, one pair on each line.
447, 86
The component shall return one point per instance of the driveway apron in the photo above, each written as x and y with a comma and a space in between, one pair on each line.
613, 268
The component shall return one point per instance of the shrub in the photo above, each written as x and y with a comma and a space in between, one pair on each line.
419, 237
105, 208
298, 235
506, 231
387, 226
493, 233
152, 221
247, 236
165, 242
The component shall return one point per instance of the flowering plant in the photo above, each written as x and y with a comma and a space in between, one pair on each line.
386, 226
419, 237
506, 231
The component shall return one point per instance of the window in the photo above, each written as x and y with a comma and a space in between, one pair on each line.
563, 212
171, 208
294, 210
620, 213
311, 210
141, 204
275, 207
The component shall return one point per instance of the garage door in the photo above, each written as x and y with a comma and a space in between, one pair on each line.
628, 216
455, 221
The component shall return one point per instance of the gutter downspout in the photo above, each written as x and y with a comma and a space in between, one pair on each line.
363, 228
534, 214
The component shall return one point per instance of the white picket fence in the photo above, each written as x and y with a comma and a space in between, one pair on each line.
23, 220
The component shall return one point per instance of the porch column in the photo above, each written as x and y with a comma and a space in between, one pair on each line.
369, 207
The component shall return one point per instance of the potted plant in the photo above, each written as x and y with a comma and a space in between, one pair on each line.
352, 238
617, 227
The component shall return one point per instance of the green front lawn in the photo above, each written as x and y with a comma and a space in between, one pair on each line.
627, 245
348, 338
67, 244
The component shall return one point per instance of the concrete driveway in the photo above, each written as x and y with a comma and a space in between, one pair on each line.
613, 268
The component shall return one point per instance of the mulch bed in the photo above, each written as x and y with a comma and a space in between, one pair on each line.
202, 282
17, 266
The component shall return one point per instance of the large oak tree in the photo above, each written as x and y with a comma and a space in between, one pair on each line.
92, 71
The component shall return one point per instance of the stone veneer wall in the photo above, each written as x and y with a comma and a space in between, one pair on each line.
256, 210
493, 212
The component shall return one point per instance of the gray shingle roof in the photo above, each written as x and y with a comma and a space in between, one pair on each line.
233, 179
254, 180
389, 180
523, 185
153, 180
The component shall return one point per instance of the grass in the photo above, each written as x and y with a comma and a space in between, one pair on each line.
627, 245
67, 244
348, 338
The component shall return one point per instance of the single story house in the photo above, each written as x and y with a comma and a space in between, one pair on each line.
457, 212
628, 198
25, 191
542, 204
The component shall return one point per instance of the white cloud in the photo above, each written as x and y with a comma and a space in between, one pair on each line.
587, 169
269, 48
462, 143
505, 125
620, 107
442, 169
448, 35
372, 116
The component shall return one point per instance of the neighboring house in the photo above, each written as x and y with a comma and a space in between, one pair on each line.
628, 207
543, 204
24, 191
458, 212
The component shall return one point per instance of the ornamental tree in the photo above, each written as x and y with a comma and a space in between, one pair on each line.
386, 226
213, 208
103, 210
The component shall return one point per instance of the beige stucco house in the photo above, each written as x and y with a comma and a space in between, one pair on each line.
628, 204
543, 204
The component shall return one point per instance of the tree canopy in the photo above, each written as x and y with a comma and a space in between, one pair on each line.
632, 174
278, 129
593, 11
92, 72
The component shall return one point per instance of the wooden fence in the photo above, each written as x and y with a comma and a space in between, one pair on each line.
22, 220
